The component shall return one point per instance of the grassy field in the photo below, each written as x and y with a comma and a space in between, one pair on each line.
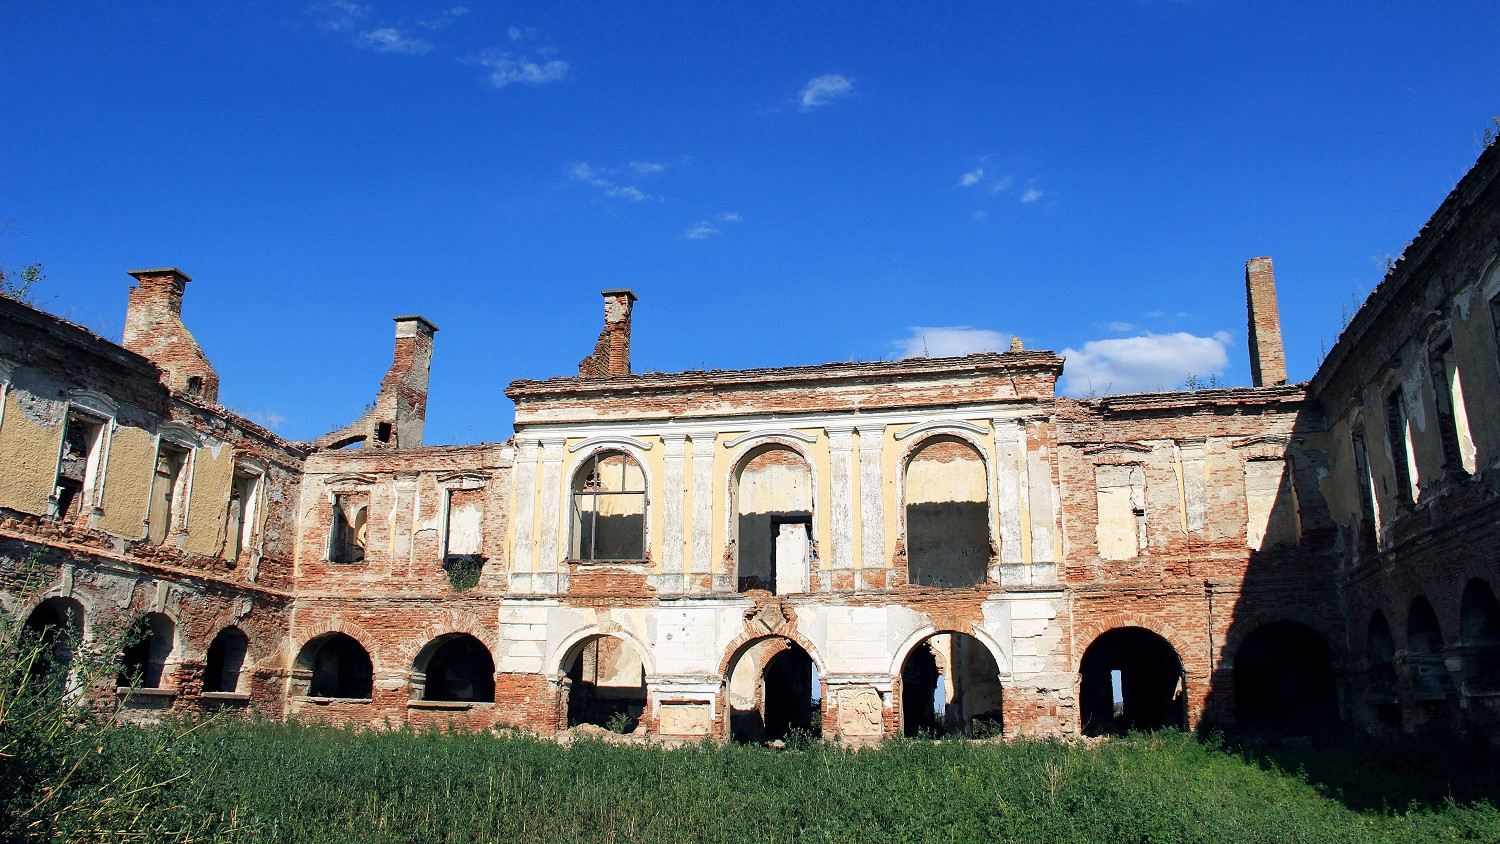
282, 783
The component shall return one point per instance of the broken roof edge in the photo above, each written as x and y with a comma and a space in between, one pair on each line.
1429, 238
1278, 393
987, 361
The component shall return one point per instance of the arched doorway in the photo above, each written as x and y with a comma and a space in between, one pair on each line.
1283, 681
1384, 688
226, 658
606, 683
56, 626
334, 665
774, 689
950, 685
773, 502
455, 667
1424, 653
947, 514
148, 647
1131, 679
1479, 620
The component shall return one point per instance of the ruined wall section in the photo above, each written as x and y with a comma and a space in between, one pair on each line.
1412, 391
1197, 516
398, 416
154, 329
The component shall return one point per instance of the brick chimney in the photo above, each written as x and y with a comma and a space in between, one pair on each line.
1267, 361
154, 329
611, 355
399, 415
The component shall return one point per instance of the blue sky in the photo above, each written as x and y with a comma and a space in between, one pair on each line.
780, 183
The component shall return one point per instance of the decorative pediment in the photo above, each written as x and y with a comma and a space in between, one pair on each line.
610, 439
771, 618
941, 426
94, 402
350, 479
466, 479
180, 434
777, 433
1269, 440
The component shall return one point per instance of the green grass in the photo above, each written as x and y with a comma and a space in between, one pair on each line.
269, 783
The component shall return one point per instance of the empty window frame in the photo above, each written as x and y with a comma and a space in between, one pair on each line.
1270, 504
243, 513
78, 467
347, 534
1398, 437
609, 508
1453, 417
1122, 510
464, 536
168, 491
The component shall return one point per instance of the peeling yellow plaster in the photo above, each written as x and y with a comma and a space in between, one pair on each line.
127, 482
29, 454
213, 472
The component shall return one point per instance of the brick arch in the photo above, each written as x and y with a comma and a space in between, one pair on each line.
740, 458
555, 667
24, 609
1240, 629
334, 625
925, 632
986, 460
1086, 634
455, 621
750, 637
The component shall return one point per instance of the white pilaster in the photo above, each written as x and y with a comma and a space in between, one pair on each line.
547, 581
1010, 444
871, 497
523, 560
841, 508
673, 489
700, 561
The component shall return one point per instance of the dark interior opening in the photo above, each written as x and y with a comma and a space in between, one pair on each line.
460, 669
226, 657
1283, 681
340, 667
1131, 679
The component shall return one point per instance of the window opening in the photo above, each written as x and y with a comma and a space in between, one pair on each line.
148, 646
1384, 688
1131, 679
1398, 431
350, 521
1424, 652
166, 492
947, 515
606, 684
950, 685
773, 521
1480, 622
240, 521
609, 508
459, 668
1121, 496
226, 658
78, 470
335, 666
383, 432
57, 627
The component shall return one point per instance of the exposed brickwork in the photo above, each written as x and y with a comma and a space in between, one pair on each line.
1267, 360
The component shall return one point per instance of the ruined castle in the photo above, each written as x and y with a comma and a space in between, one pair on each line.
856, 549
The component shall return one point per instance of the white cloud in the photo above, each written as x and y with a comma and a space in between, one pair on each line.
822, 90
582, 172
269, 419
704, 229
950, 341
1031, 195
1141, 364
507, 68
979, 215
446, 18
338, 15
1121, 327
389, 39
972, 178
1003, 183
516, 33
1154, 314
646, 168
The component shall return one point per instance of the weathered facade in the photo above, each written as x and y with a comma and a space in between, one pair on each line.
860, 549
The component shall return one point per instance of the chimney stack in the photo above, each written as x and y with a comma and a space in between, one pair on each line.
611, 357
398, 417
1267, 361
154, 329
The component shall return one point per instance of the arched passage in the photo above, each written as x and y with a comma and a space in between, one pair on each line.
950, 685
606, 683
57, 625
947, 514
1131, 679
334, 665
1479, 621
1384, 689
148, 647
773, 502
226, 659
454, 667
1424, 652
774, 689
1283, 680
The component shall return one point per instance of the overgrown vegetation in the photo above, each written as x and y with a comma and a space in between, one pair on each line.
21, 286
67, 773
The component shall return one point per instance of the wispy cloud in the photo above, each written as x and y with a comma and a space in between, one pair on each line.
1031, 195
444, 19
704, 229
822, 90
1003, 183
1121, 327
950, 341
646, 168
602, 179
971, 178
338, 15
269, 419
389, 39
507, 68
1147, 362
